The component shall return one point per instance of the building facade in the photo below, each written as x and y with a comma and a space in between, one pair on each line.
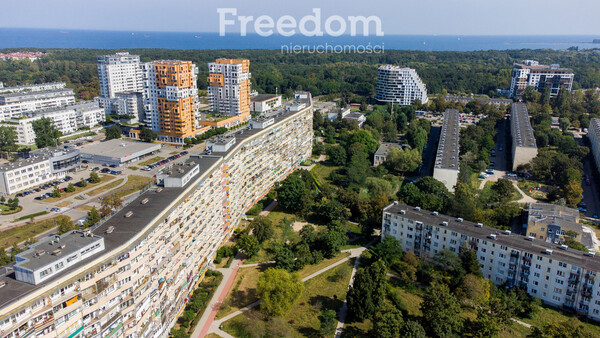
119, 73
229, 86
550, 222
158, 246
400, 86
44, 165
446, 166
523, 148
382, 152
16, 104
262, 103
594, 137
67, 119
558, 275
170, 99
33, 88
531, 73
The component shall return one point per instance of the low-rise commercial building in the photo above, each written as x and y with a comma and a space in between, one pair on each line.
117, 152
159, 245
358, 118
550, 222
262, 103
524, 148
336, 113
446, 166
382, 153
558, 275
42, 166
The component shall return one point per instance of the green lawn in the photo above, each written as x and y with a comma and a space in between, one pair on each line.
22, 233
150, 161
322, 172
326, 291
548, 315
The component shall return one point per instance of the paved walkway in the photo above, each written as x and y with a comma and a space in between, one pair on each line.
344, 308
208, 316
266, 211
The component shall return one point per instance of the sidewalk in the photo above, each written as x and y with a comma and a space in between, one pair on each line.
208, 316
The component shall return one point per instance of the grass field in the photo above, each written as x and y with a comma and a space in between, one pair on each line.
105, 187
19, 234
134, 183
150, 161
36, 214
326, 291
64, 204
322, 172
243, 291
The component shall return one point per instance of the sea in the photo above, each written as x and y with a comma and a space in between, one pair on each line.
96, 39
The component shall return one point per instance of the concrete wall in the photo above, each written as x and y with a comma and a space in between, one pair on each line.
447, 176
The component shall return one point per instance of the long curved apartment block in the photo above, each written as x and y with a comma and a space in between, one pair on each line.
131, 275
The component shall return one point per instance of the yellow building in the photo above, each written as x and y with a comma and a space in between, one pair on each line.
229, 86
170, 93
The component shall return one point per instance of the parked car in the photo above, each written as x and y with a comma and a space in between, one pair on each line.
55, 209
588, 182
595, 215
95, 168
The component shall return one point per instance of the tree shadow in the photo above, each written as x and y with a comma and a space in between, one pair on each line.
326, 303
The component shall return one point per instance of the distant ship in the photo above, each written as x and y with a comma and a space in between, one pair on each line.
197, 36
596, 41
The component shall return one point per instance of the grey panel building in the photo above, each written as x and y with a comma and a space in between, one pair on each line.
117, 152
524, 148
446, 166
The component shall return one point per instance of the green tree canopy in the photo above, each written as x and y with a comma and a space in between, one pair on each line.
278, 289
46, 134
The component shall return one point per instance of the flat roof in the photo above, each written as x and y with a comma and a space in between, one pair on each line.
595, 125
38, 93
519, 242
178, 170
547, 213
22, 163
522, 135
263, 97
41, 253
117, 148
354, 115
478, 98
448, 146
126, 228
384, 148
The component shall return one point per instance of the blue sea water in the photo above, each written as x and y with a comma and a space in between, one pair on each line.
54, 38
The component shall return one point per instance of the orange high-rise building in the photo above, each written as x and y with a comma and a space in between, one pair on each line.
229, 86
170, 93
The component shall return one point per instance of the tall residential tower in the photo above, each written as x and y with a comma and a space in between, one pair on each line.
170, 99
229, 86
399, 86
531, 73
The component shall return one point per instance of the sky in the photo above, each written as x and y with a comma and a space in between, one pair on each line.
410, 17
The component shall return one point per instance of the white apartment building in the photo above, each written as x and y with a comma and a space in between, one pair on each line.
594, 137
33, 88
119, 73
229, 86
67, 120
158, 246
531, 73
524, 148
400, 86
120, 77
558, 275
16, 104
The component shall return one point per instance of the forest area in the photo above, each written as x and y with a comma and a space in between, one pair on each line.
479, 72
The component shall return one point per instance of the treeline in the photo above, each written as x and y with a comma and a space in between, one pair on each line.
457, 72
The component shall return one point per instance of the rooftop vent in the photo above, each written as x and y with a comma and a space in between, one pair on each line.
459, 219
56, 252
493, 236
159, 189
110, 229
403, 212
564, 247
479, 225
418, 208
548, 251
129, 214
145, 200
445, 223
435, 213
507, 232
